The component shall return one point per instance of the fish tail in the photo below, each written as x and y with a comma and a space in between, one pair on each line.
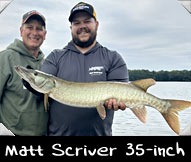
171, 116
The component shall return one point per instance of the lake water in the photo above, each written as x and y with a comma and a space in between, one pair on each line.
126, 123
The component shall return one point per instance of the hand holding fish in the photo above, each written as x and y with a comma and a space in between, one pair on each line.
113, 104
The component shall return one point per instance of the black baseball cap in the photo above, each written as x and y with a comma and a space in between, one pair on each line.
36, 15
82, 7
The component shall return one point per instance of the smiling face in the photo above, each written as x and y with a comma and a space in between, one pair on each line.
33, 34
84, 29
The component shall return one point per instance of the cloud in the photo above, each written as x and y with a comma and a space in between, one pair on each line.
148, 34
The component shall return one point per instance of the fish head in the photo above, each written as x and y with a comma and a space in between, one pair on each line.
38, 80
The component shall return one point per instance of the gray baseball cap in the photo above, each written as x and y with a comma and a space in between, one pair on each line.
36, 15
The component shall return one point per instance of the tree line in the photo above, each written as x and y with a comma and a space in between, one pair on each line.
175, 75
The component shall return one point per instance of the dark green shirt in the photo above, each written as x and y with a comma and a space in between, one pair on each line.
20, 111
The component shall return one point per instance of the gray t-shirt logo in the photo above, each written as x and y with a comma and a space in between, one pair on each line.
96, 70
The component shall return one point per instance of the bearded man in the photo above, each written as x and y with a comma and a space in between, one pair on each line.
84, 60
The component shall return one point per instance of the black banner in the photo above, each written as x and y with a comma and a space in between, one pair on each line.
95, 148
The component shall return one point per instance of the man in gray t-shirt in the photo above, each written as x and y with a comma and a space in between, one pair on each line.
84, 60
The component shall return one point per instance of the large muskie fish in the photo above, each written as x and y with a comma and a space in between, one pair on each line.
94, 94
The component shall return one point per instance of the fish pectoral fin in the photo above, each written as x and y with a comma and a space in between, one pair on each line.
144, 83
101, 111
171, 116
140, 112
46, 102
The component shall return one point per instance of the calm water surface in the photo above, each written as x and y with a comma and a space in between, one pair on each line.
126, 124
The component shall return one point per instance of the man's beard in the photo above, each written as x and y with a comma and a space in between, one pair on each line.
84, 44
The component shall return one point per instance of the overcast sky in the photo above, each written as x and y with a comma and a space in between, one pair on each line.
149, 34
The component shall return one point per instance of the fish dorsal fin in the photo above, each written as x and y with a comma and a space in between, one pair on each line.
140, 112
144, 83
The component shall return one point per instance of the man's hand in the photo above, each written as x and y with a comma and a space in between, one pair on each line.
113, 104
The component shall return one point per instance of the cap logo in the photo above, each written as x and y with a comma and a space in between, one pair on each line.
31, 12
80, 8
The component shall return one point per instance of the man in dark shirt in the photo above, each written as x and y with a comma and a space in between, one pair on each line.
84, 60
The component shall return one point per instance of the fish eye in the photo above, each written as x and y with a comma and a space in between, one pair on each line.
35, 73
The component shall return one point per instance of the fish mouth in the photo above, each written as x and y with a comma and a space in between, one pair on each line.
23, 73
18, 70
